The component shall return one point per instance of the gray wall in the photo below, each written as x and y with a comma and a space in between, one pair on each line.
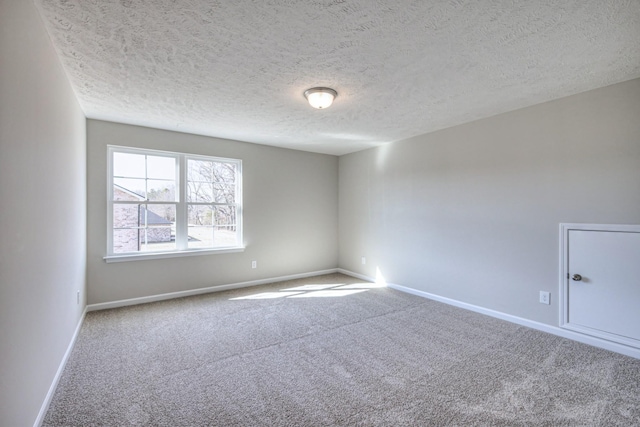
42, 214
472, 212
290, 216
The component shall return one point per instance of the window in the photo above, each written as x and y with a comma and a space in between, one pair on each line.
163, 203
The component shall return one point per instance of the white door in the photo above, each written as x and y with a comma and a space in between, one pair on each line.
603, 284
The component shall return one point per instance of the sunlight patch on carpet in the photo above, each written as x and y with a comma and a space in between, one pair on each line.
266, 295
325, 290
329, 293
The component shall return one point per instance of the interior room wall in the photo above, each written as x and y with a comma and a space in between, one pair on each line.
42, 214
472, 212
290, 216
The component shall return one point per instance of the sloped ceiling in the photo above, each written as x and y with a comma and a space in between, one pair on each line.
238, 69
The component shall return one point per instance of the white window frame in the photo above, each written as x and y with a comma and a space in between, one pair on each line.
181, 204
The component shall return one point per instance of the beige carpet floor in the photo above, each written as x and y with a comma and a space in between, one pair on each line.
333, 351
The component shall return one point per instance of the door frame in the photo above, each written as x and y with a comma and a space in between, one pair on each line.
564, 276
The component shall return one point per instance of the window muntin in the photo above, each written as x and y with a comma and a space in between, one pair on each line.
172, 202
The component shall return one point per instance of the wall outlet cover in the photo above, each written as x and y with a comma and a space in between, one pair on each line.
545, 297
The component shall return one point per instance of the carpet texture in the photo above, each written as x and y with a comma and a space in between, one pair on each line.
333, 351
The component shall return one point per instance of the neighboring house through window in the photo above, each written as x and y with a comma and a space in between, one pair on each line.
164, 202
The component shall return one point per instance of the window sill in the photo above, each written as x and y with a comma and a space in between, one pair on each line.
174, 254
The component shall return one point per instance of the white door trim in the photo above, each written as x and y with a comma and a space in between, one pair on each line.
564, 274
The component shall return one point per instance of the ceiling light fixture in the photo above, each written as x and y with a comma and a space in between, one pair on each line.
320, 97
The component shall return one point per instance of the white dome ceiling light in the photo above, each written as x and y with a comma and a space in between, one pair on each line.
320, 97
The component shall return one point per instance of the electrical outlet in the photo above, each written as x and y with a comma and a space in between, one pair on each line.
254, 264
364, 260
77, 297
545, 297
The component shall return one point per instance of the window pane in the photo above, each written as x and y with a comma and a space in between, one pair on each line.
221, 234
225, 215
129, 165
199, 192
224, 172
225, 236
211, 227
126, 216
224, 193
211, 237
200, 215
200, 237
159, 232
158, 215
125, 241
205, 171
199, 170
129, 189
161, 190
161, 167
156, 239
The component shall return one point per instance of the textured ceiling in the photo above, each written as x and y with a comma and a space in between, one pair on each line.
238, 69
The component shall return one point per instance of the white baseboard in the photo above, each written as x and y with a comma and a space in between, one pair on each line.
52, 389
180, 294
555, 330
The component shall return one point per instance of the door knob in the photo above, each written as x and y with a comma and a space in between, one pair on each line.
576, 277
